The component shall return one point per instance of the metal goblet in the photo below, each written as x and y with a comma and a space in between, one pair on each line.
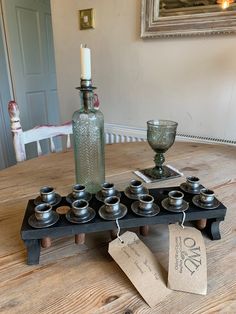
161, 136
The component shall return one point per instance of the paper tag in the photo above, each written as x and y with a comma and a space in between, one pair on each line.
187, 260
140, 266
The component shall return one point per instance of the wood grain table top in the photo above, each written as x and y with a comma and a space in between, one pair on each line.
83, 278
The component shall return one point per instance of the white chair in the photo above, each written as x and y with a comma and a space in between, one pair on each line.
113, 133
21, 138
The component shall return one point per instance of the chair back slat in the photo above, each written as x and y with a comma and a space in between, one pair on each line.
68, 142
39, 148
52, 146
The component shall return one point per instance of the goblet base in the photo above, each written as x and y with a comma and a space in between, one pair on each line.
154, 176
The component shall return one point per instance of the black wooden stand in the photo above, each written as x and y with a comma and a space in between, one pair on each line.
62, 228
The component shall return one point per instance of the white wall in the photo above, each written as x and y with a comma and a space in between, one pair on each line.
190, 80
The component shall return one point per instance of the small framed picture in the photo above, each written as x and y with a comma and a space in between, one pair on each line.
86, 19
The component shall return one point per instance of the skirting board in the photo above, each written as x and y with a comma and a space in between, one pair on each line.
116, 133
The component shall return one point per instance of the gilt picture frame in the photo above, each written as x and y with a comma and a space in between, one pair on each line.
160, 20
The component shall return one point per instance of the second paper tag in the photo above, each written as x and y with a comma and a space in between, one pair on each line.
187, 260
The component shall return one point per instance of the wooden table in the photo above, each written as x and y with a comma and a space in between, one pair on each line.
84, 278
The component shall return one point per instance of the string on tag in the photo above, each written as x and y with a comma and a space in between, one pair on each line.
118, 231
183, 220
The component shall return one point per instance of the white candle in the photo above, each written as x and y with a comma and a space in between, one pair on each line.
85, 61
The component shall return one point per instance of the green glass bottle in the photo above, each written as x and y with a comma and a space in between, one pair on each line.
88, 133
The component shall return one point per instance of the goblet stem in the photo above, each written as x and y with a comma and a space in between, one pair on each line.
159, 160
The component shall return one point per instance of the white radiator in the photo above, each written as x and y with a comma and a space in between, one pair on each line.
112, 138
120, 133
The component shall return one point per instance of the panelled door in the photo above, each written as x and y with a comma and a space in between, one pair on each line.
30, 43
6, 146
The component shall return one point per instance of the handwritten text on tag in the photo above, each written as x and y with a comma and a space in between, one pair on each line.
140, 266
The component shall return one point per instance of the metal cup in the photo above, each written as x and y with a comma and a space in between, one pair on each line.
112, 204
207, 196
136, 186
108, 189
43, 212
48, 194
78, 191
146, 202
193, 182
80, 208
176, 198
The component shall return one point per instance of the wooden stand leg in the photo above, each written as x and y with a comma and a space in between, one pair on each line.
213, 228
144, 230
46, 242
80, 238
33, 251
201, 224
113, 234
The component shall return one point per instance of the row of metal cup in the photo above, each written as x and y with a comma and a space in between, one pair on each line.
48, 193
79, 200
112, 208
203, 198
